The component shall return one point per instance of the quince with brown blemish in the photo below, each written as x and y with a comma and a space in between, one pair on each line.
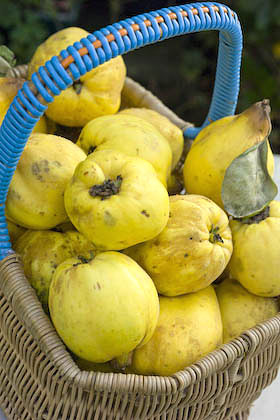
36, 194
40, 262
191, 251
116, 200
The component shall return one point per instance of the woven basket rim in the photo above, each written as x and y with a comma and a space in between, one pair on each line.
30, 312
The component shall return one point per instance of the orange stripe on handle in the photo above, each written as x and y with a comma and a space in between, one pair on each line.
97, 44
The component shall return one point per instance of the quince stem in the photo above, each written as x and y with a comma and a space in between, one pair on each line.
107, 189
257, 218
122, 362
214, 235
77, 86
85, 260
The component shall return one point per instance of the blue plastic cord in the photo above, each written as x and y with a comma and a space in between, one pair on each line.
52, 78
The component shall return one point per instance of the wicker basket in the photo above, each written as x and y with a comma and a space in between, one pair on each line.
39, 379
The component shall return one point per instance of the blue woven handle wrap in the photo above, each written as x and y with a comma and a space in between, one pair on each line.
30, 103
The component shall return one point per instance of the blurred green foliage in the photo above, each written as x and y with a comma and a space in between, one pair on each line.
24, 24
181, 70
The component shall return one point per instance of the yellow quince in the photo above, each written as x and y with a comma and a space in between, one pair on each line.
42, 251
131, 135
255, 258
104, 308
116, 200
219, 143
191, 251
188, 328
35, 197
240, 309
95, 93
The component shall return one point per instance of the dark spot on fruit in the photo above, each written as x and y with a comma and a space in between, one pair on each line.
14, 194
98, 286
91, 149
38, 167
45, 165
186, 255
214, 236
35, 169
145, 213
85, 260
109, 219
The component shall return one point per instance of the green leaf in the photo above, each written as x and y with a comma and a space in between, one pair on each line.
247, 186
7, 60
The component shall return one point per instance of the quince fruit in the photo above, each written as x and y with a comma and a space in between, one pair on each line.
35, 197
40, 262
191, 251
116, 200
104, 308
131, 135
240, 309
188, 328
219, 143
255, 258
95, 93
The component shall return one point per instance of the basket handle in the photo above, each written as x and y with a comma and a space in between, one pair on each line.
61, 71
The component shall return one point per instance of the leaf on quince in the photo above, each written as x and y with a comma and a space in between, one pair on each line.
7, 60
247, 186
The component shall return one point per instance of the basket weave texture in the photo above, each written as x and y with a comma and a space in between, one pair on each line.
39, 380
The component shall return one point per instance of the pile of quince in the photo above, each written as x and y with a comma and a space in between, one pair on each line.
138, 274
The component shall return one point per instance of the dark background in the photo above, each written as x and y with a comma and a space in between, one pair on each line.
180, 71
